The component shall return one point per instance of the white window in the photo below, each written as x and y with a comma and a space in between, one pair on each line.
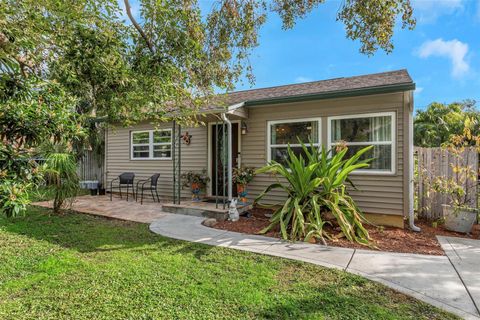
151, 144
283, 133
359, 131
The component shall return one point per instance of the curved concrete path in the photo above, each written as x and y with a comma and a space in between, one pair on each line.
433, 279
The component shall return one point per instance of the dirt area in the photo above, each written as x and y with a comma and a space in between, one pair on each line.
384, 238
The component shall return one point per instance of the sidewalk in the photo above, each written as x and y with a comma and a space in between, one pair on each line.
448, 282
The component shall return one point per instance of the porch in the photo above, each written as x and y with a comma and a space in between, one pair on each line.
147, 212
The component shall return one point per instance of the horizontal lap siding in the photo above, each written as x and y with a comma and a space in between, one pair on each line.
377, 193
194, 157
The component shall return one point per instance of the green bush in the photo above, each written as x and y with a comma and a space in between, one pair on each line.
316, 188
60, 171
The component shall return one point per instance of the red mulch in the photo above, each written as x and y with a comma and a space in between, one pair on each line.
384, 238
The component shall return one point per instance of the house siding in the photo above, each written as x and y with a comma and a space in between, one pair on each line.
378, 194
194, 157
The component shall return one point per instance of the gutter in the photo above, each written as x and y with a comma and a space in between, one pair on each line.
230, 160
411, 213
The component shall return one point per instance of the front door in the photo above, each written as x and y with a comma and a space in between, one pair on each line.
219, 159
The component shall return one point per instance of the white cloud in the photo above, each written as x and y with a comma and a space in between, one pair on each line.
428, 11
418, 90
301, 79
454, 50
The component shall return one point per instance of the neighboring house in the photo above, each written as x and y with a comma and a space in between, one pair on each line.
373, 109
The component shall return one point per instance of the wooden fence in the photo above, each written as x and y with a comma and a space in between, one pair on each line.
432, 163
90, 166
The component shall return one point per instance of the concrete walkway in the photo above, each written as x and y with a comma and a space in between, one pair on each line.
449, 282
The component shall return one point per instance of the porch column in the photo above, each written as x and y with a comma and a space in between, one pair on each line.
229, 156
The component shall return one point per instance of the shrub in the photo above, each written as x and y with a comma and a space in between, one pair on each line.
316, 187
190, 177
61, 177
243, 175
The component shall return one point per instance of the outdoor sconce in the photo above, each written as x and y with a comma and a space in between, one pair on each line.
244, 128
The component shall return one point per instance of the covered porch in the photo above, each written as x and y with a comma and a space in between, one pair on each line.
225, 127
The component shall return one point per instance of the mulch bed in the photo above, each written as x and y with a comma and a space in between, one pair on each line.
384, 238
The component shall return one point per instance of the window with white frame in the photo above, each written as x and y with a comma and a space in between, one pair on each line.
283, 133
151, 144
359, 131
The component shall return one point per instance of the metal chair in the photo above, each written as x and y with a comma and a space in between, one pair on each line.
125, 179
141, 184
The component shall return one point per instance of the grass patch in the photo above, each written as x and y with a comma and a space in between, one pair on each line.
83, 267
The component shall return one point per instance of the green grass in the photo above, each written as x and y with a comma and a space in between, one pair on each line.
82, 267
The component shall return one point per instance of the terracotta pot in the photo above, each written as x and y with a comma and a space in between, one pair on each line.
242, 193
195, 187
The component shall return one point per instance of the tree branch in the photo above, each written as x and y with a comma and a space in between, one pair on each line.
137, 26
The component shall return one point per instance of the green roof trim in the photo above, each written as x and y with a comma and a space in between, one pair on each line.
334, 94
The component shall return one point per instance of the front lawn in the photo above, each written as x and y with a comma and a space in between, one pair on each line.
82, 267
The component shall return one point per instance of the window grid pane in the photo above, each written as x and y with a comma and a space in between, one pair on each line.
369, 129
164, 136
357, 133
140, 137
290, 132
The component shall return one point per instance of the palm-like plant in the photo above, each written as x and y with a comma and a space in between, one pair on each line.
60, 171
316, 185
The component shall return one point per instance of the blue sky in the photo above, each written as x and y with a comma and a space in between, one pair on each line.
442, 54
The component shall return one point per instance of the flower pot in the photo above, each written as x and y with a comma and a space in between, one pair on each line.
195, 187
242, 193
459, 219
93, 192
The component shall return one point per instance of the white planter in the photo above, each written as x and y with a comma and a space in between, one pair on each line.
459, 219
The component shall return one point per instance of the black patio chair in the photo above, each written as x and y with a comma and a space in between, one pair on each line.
143, 185
125, 179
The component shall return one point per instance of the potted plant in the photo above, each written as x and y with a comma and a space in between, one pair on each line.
196, 181
460, 215
242, 177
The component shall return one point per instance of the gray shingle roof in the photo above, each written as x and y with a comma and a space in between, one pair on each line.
356, 83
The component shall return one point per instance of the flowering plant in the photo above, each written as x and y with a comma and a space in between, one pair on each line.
190, 177
243, 175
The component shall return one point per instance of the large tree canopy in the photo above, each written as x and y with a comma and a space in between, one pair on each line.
175, 54
68, 65
438, 122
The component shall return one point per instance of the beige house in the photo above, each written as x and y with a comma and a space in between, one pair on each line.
257, 126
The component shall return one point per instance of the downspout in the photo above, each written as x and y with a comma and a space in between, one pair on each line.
229, 161
411, 213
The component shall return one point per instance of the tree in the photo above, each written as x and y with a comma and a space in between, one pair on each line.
78, 63
436, 124
174, 55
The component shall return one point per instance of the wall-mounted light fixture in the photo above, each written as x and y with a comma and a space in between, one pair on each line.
244, 128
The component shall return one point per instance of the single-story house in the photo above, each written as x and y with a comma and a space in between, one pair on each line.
373, 109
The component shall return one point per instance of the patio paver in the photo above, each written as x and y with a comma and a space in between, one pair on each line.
118, 208
432, 279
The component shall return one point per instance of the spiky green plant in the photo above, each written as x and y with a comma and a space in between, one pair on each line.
316, 185
61, 176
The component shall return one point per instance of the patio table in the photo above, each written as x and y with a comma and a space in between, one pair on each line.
92, 185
